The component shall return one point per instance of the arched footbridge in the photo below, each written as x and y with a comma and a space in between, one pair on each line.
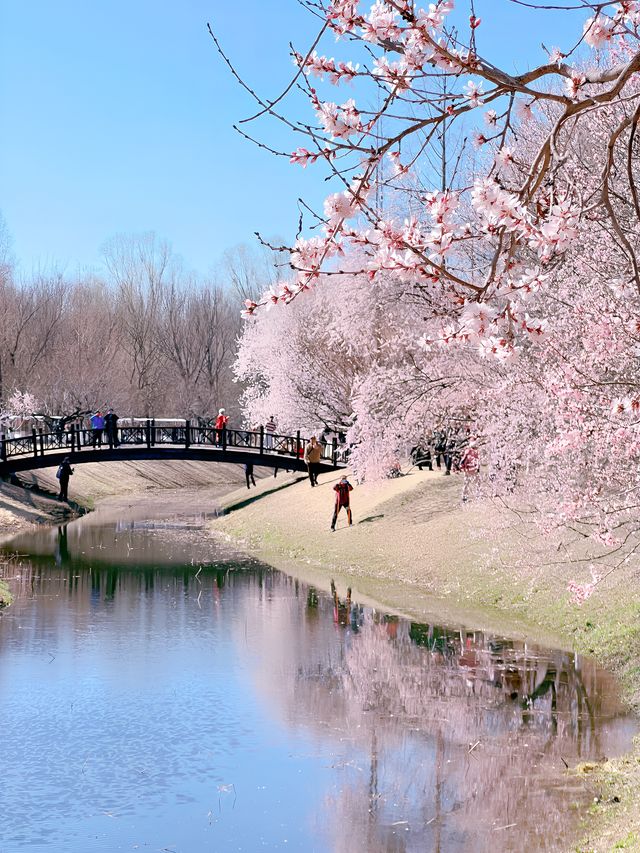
152, 441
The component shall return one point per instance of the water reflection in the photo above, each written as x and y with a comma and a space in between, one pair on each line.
227, 706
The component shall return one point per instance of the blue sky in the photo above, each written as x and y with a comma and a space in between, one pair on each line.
117, 117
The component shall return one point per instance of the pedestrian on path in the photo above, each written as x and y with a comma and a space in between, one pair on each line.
342, 490
312, 456
470, 467
63, 473
248, 472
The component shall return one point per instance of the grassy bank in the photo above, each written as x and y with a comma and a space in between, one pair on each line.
5, 595
413, 549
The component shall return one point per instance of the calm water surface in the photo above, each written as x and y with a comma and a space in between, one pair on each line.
156, 697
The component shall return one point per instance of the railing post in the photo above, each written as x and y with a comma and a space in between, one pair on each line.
41, 442
72, 433
34, 439
334, 451
187, 434
80, 434
3, 448
224, 438
147, 430
153, 431
298, 445
261, 440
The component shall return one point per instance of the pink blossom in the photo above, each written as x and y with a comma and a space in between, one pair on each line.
250, 307
598, 31
473, 91
381, 23
574, 84
556, 56
434, 18
343, 15
394, 74
524, 111
302, 157
398, 168
341, 122
504, 156
581, 592
339, 206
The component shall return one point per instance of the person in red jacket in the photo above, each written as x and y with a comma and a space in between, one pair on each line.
342, 490
221, 422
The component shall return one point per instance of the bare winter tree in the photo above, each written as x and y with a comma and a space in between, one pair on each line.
198, 340
250, 270
141, 268
29, 325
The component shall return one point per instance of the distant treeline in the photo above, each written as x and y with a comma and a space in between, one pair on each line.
144, 337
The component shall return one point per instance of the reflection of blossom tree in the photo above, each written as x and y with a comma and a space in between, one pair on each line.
455, 732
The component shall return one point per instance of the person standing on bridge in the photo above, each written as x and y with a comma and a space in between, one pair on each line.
312, 456
342, 490
63, 473
111, 427
270, 429
97, 427
221, 423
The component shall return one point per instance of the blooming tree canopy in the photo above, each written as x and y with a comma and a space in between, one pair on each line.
517, 269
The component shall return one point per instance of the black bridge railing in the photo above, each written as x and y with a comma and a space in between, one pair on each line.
148, 434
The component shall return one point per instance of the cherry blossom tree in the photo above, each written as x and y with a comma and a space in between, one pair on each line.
518, 274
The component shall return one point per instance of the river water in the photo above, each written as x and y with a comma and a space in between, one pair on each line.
159, 695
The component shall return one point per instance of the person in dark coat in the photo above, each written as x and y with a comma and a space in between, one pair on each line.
64, 472
248, 472
111, 428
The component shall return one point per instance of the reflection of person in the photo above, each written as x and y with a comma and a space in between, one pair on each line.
62, 548
111, 426
64, 472
248, 471
342, 490
312, 456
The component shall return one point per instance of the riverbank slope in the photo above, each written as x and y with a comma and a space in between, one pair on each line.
417, 549
34, 501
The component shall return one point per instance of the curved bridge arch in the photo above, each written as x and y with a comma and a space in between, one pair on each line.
150, 441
